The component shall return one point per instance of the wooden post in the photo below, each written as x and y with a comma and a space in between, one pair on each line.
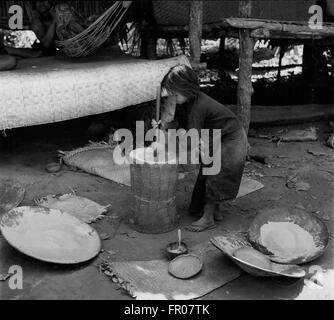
221, 54
195, 31
148, 44
245, 89
309, 70
148, 33
282, 51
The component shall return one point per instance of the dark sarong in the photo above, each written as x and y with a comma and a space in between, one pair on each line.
225, 185
206, 113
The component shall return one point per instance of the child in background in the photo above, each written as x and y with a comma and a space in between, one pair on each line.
6, 62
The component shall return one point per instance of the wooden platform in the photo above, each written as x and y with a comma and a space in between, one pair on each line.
53, 89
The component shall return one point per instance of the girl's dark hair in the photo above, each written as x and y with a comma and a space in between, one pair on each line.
181, 79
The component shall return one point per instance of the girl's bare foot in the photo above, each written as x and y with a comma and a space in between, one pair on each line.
202, 224
206, 222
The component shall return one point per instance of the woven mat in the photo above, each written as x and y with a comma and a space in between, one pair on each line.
49, 90
82, 208
150, 280
97, 159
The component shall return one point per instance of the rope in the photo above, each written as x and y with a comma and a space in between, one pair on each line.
156, 201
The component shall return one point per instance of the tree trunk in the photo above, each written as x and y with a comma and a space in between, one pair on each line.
195, 31
245, 89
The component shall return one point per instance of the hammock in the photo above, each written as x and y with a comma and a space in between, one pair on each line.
88, 41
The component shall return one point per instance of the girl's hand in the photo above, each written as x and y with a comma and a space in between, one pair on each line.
155, 124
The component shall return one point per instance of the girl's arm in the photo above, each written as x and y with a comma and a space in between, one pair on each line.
168, 112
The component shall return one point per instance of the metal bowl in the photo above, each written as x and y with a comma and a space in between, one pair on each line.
309, 224
173, 250
185, 266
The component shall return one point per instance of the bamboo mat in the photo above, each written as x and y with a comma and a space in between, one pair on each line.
150, 280
48, 90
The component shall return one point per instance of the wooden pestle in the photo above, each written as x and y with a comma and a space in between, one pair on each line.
157, 116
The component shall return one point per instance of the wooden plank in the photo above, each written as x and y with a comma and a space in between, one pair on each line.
291, 114
279, 26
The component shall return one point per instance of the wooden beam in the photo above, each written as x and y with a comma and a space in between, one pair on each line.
263, 33
195, 31
245, 88
275, 68
280, 26
221, 30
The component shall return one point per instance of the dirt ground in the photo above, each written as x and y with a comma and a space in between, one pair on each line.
23, 157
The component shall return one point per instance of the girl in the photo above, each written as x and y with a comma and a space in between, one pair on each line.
203, 112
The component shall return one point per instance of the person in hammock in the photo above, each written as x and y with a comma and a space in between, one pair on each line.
69, 23
43, 23
7, 62
50, 21
203, 112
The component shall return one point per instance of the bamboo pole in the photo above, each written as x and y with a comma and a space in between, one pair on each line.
245, 88
195, 32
